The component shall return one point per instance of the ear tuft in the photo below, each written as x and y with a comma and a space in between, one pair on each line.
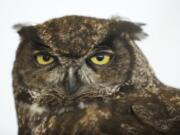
25, 31
20, 26
128, 29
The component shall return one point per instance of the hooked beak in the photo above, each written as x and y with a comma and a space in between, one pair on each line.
71, 81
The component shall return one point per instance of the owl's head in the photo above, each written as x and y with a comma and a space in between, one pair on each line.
75, 58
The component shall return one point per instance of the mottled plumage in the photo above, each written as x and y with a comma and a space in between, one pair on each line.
85, 76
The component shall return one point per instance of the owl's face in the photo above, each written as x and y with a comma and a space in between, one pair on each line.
72, 59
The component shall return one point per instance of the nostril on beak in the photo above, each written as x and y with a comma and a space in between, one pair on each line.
71, 81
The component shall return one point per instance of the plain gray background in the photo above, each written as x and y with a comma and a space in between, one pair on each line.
162, 47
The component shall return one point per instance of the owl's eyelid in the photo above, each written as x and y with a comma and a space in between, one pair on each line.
108, 52
43, 52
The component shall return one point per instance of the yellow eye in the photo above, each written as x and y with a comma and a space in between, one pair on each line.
100, 59
44, 59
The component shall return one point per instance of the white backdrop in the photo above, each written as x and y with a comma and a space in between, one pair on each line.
162, 47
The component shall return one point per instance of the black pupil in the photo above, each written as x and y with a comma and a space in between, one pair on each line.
46, 57
100, 57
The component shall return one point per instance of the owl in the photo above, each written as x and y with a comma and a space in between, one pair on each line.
79, 75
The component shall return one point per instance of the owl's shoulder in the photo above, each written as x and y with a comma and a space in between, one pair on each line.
161, 110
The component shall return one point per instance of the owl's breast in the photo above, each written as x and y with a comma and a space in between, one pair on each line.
115, 117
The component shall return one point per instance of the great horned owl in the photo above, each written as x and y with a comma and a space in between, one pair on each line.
80, 75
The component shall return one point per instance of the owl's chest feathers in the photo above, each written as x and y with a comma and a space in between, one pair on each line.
85, 114
40, 121
131, 111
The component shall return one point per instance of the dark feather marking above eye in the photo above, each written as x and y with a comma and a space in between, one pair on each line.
37, 44
107, 42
